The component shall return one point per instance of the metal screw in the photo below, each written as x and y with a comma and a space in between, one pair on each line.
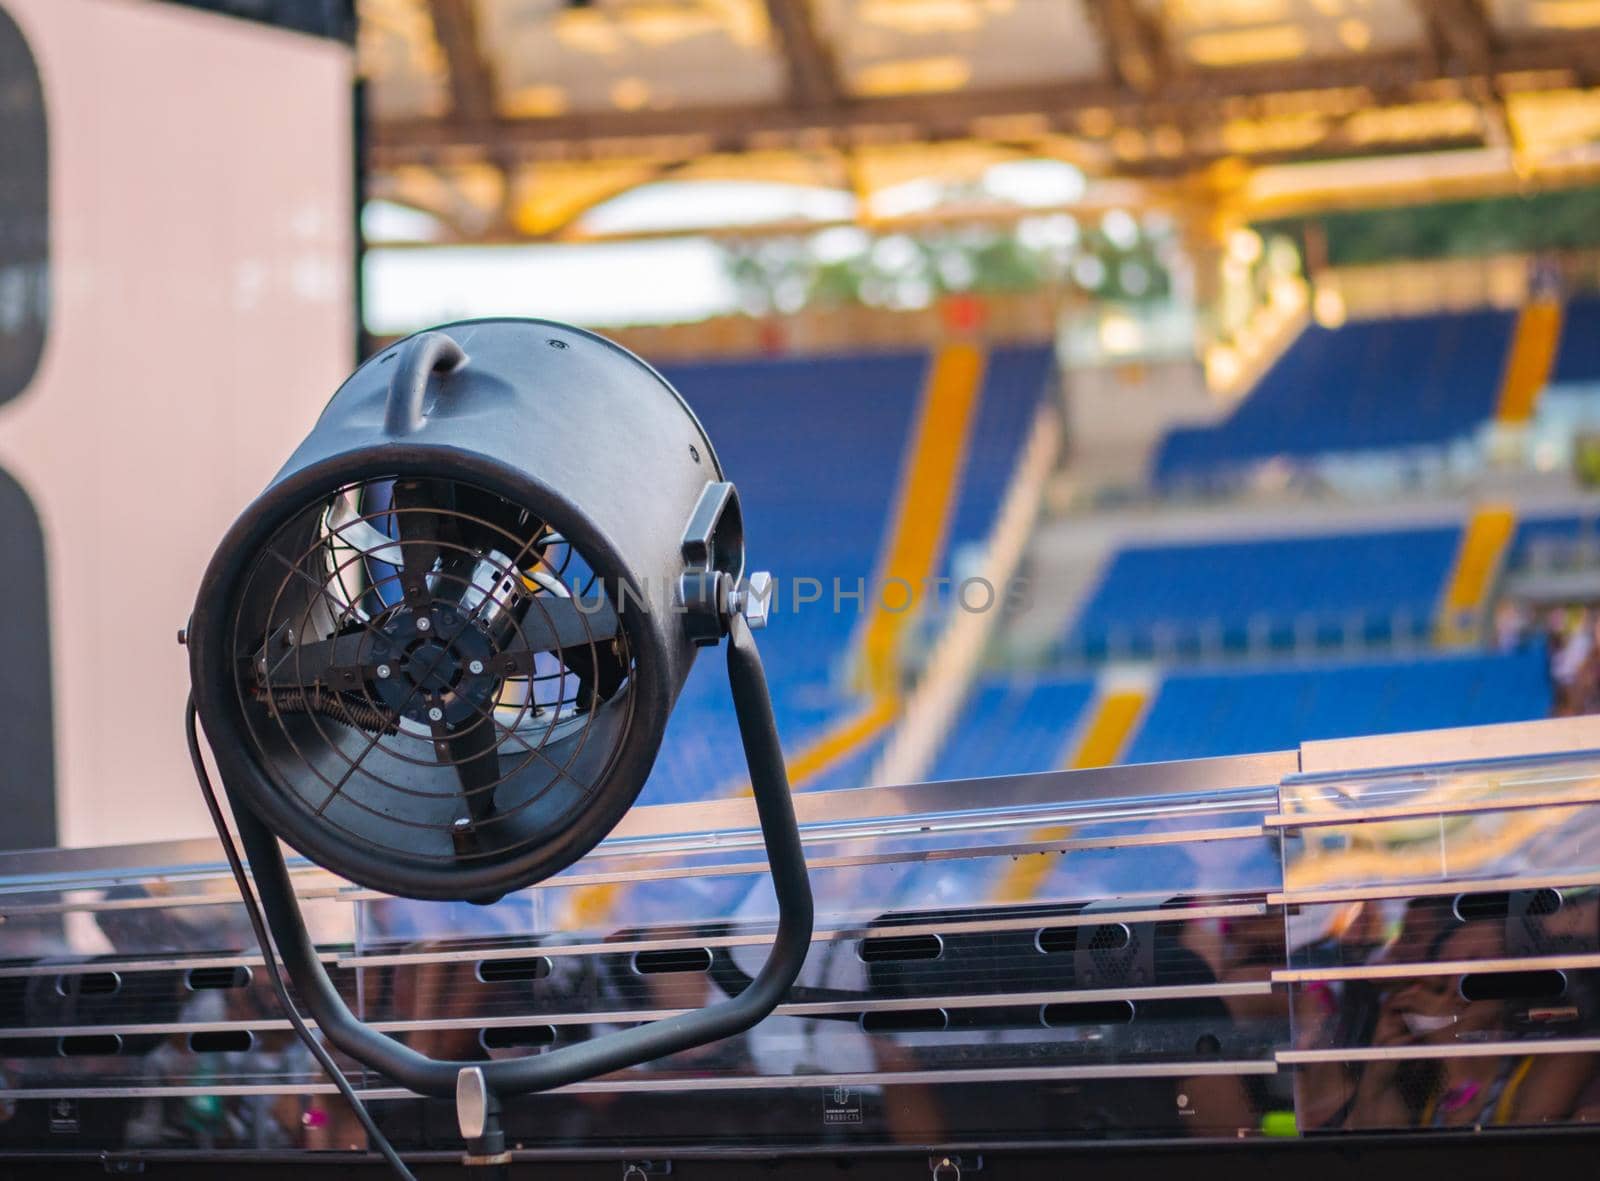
424, 624
556, 344
475, 667
435, 714
752, 599
384, 672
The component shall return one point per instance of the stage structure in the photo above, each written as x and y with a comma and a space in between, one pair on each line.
1393, 934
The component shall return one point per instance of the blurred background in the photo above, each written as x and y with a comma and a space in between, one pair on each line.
1213, 375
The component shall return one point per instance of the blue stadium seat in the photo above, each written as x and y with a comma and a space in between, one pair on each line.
852, 771
1578, 357
1201, 713
1372, 385
1018, 724
1266, 593
1012, 725
1016, 378
816, 446
1543, 541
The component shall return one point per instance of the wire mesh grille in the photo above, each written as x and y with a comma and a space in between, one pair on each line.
431, 671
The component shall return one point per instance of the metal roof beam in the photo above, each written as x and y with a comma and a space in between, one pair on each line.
1134, 44
1460, 33
1196, 94
813, 78
455, 25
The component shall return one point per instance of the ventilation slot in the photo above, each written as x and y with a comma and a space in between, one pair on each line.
535, 967
517, 1037
1087, 1013
676, 959
892, 948
1513, 986
222, 1041
905, 1021
90, 1045
1057, 940
89, 984
1496, 904
207, 979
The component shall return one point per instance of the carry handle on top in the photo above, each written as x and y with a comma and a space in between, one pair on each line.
421, 357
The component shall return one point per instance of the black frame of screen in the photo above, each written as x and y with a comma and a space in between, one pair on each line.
335, 19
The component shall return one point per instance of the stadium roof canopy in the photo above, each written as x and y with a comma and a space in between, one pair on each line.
509, 119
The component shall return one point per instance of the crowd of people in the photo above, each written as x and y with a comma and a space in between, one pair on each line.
1570, 637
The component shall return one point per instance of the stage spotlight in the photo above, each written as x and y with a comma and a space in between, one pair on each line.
437, 655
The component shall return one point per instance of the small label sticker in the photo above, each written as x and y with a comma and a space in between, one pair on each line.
64, 1117
841, 1105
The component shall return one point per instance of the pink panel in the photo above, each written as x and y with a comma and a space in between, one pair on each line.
200, 177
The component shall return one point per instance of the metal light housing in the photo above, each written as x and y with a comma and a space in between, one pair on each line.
437, 654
